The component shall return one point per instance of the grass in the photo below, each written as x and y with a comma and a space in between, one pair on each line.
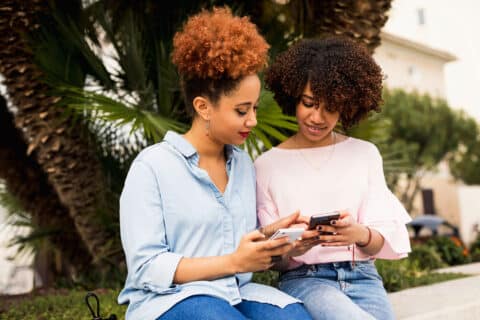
59, 305
403, 274
70, 304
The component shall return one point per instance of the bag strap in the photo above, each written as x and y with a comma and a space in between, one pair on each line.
97, 315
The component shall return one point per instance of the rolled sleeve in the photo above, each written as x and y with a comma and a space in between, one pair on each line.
382, 211
151, 265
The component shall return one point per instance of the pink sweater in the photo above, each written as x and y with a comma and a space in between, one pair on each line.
347, 176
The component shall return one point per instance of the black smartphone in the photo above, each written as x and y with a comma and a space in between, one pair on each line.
323, 219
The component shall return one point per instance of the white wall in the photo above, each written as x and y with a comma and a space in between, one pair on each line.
452, 26
15, 276
469, 200
411, 69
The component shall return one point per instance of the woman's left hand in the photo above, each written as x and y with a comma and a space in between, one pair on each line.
346, 231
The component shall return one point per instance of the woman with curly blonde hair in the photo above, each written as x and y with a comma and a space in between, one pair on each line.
187, 210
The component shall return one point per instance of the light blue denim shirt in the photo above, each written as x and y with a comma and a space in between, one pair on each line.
169, 209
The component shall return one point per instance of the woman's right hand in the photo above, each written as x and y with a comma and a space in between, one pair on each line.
254, 253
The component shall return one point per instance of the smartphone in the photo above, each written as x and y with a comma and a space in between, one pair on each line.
323, 219
292, 233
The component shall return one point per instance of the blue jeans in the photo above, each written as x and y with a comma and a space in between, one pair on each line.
212, 308
339, 290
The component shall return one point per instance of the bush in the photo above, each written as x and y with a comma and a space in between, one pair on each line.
269, 278
475, 249
397, 274
405, 273
64, 304
426, 257
475, 255
451, 249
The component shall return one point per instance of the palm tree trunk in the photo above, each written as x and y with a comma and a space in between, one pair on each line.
26, 180
66, 157
361, 20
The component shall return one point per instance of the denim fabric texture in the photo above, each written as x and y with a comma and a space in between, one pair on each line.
339, 290
212, 308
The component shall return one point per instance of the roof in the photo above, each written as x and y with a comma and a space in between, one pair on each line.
444, 55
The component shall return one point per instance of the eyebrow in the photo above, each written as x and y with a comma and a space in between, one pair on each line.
246, 104
307, 96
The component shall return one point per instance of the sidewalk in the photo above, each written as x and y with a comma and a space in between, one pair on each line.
456, 299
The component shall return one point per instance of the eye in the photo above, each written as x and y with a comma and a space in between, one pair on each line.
307, 103
241, 112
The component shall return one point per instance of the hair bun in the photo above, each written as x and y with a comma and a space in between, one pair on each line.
215, 44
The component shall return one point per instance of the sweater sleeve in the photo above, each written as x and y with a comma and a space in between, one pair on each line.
382, 211
267, 211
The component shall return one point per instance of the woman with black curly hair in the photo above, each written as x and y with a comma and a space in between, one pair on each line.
187, 210
318, 170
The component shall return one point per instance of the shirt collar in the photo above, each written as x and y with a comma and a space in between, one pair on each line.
180, 144
186, 149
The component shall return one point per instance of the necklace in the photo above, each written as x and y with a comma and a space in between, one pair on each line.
322, 161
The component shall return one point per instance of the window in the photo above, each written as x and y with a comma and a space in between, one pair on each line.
415, 74
421, 16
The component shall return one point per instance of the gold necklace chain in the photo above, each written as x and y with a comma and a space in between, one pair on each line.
322, 161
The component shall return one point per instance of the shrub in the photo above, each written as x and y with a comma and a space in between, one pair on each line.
402, 274
475, 255
269, 278
62, 304
451, 249
475, 249
426, 257
397, 274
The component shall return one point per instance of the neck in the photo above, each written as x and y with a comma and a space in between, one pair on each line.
205, 145
302, 142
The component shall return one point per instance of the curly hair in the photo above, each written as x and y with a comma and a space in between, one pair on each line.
340, 71
214, 51
217, 44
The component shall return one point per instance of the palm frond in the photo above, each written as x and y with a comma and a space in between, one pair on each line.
272, 126
119, 114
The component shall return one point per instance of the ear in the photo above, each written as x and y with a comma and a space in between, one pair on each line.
202, 106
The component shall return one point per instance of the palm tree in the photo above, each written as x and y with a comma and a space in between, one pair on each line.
110, 61
25, 179
60, 150
360, 20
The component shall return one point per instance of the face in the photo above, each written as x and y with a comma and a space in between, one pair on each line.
235, 114
315, 122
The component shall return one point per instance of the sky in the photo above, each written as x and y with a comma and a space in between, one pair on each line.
452, 26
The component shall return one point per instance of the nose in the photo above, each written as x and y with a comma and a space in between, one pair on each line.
252, 119
318, 115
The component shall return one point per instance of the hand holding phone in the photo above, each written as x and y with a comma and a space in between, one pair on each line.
292, 233
323, 219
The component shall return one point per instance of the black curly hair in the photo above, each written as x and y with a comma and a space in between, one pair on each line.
340, 71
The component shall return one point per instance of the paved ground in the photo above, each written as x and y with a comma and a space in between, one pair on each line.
456, 299
472, 268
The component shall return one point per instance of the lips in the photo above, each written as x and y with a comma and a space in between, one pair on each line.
316, 129
245, 134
